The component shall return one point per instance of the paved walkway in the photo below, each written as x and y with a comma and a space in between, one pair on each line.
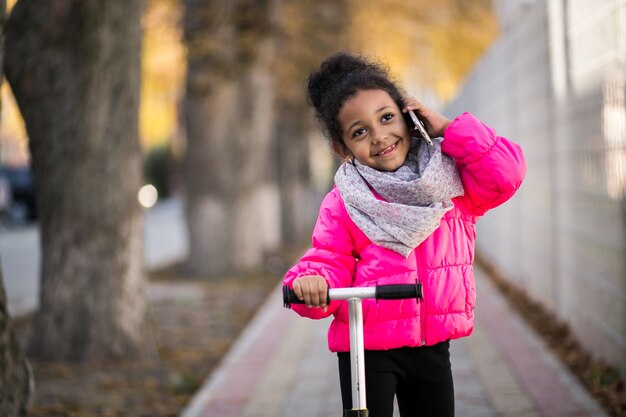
280, 367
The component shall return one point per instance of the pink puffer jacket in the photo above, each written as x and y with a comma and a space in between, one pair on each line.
491, 169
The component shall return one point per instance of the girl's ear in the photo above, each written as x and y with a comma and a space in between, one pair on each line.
342, 150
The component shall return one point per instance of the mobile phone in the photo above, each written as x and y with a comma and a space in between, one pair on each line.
416, 125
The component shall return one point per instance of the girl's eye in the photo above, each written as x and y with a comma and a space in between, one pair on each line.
358, 132
387, 117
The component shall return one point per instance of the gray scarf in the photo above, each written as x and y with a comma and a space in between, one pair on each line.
416, 195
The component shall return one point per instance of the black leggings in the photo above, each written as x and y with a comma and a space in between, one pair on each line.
420, 377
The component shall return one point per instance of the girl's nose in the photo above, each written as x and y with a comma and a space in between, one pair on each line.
379, 136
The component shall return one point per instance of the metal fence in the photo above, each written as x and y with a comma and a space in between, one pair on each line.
555, 83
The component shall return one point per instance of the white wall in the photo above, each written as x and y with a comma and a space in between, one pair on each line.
554, 83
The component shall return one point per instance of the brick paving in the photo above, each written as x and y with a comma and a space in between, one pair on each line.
280, 366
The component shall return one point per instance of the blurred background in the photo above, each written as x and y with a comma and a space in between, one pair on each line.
198, 146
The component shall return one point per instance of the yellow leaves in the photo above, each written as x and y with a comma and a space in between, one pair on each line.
427, 44
10, 4
163, 71
457, 44
307, 31
389, 29
13, 138
432, 44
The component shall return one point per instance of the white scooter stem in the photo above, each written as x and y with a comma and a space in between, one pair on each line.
354, 296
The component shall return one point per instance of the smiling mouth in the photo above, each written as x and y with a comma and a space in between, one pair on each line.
388, 149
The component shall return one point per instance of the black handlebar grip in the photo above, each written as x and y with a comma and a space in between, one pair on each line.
383, 292
398, 291
290, 297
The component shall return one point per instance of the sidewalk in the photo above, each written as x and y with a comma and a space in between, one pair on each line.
281, 367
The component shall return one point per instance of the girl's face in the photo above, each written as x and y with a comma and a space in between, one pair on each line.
374, 130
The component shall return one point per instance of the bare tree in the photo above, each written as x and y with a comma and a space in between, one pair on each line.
74, 66
232, 201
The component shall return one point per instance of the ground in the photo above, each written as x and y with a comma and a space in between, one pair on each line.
600, 379
195, 321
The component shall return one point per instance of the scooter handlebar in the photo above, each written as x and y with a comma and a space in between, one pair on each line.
290, 297
398, 291
380, 292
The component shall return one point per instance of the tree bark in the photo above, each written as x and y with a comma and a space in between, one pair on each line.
16, 378
74, 67
294, 173
232, 199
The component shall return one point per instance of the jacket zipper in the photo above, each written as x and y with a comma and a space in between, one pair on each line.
420, 299
422, 313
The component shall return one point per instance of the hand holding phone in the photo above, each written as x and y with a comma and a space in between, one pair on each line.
418, 126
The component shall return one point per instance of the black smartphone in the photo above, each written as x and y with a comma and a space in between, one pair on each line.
416, 125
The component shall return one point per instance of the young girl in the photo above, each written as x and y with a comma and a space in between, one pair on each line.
401, 211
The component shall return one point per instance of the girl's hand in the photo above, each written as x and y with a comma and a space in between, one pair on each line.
313, 290
435, 123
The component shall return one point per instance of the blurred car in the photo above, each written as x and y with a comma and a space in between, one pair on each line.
5, 195
17, 194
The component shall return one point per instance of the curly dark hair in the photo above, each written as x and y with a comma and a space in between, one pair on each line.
339, 78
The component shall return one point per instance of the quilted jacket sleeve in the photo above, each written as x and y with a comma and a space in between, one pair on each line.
331, 255
491, 167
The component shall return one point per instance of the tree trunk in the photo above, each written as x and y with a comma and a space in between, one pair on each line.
297, 194
311, 30
232, 198
74, 68
16, 378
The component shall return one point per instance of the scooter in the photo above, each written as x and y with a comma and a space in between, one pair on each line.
355, 296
